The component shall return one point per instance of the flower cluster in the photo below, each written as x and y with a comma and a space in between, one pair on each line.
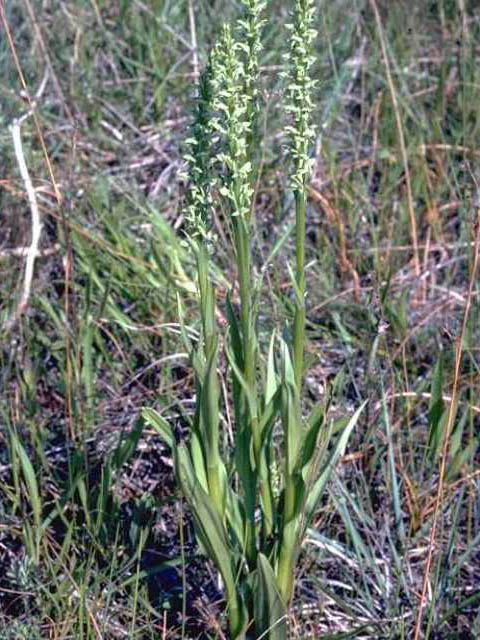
225, 117
200, 177
250, 42
299, 90
231, 123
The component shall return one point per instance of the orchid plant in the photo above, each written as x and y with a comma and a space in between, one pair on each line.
251, 506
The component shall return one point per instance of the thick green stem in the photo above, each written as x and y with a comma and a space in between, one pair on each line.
242, 238
207, 300
210, 415
299, 322
210, 389
290, 529
245, 287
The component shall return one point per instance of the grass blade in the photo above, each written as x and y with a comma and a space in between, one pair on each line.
33, 493
338, 451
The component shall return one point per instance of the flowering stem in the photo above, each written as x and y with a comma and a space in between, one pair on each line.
207, 299
300, 86
299, 322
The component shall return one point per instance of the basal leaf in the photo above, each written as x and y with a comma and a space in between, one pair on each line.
270, 610
214, 537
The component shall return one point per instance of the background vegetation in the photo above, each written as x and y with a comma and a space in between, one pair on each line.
94, 542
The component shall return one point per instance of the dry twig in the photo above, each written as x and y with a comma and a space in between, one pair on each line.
36, 227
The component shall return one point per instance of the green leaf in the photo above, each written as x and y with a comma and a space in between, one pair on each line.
237, 352
87, 362
252, 405
236, 516
293, 282
457, 434
292, 427
207, 300
436, 409
84, 499
271, 385
300, 491
462, 457
247, 474
309, 445
269, 414
270, 610
198, 461
397, 315
245, 467
127, 445
161, 426
103, 495
30, 478
198, 363
214, 537
338, 424
317, 415
288, 373
184, 471
394, 484
346, 337
234, 333
210, 406
339, 449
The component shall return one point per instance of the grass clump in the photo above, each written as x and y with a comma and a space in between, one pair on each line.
250, 520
